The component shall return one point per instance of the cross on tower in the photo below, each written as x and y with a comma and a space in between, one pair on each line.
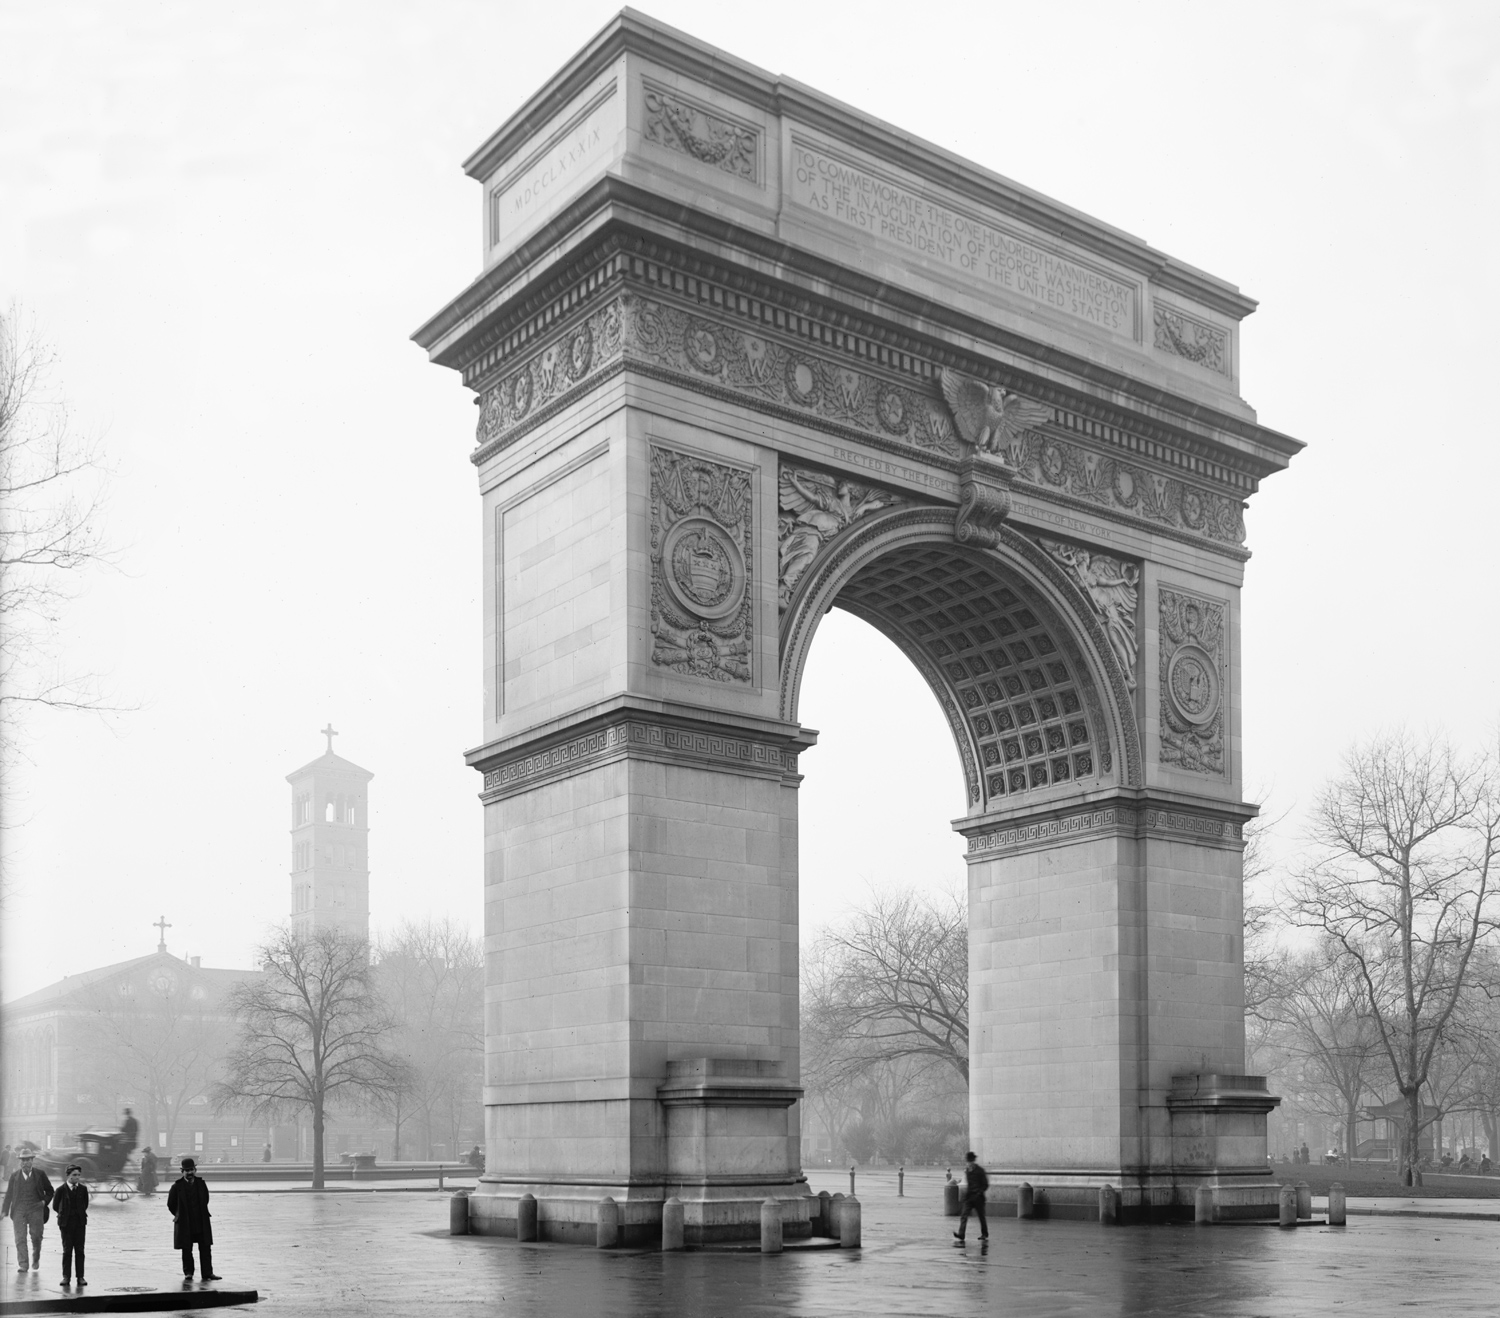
330, 734
162, 924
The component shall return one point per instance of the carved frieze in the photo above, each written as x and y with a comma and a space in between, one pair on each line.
579, 355
764, 368
813, 508
1131, 820
1112, 586
702, 567
681, 124
1188, 337
716, 355
1192, 673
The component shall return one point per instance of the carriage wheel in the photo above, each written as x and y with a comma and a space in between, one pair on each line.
121, 1188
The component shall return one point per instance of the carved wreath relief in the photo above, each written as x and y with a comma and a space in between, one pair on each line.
682, 125
1112, 587
1190, 339
1192, 681
702, 610
815, 507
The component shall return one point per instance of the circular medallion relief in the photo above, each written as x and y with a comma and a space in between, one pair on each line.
801, 383
523, 393
702, 347
892, 410
1193, 685
163, 982
705, 569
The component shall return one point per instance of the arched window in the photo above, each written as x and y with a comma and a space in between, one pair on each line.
328, 811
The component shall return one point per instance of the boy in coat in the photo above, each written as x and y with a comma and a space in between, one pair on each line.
187, 1201
71, 1204
28, 1195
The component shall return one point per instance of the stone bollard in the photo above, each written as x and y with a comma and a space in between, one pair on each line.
1336, 1205
607, 1233
1287, 1201
851, 1180
526, 1217
849, 1223
1025, 1200
458, 1214
1109, 1205
770, 1227
901, 1183
825, 1214
1304, 1199
672, 1230
950, 1198
1203, 1204
835, 1214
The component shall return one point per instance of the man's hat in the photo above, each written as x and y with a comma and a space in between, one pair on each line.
28, 1153
188, 1165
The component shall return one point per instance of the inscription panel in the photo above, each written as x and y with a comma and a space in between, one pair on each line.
554, 171
1005, 256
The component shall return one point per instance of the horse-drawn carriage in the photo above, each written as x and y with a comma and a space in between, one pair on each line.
102, 1154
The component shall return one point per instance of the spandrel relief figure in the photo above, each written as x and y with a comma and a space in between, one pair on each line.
1113, 588
815, 507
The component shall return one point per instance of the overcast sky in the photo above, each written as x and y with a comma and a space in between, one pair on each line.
227, 219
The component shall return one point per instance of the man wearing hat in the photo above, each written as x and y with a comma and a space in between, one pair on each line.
28, 1195
187, 1201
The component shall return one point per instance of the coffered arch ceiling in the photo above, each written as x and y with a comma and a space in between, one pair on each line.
1036, 702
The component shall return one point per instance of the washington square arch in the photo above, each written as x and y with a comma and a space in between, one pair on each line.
742, 355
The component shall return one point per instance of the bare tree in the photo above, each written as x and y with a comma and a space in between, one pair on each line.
51, 482
161, 1044
312, 1032
1403, 886
898, 981
431, 977
1328, 1033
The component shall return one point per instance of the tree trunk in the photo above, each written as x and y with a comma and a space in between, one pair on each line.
1411, 1136
1351, 1134
317, 1142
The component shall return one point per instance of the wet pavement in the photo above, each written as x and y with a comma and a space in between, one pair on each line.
377, 1252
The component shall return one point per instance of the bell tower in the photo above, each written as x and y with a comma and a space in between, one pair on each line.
330, 844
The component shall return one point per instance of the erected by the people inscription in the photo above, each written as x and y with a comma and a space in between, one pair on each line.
1006, 256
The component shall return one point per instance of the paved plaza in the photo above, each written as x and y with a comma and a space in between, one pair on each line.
387, 1251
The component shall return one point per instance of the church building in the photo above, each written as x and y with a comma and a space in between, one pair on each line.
70, 1052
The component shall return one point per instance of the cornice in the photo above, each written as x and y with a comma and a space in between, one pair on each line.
1133, 814
635, 33
1162, 429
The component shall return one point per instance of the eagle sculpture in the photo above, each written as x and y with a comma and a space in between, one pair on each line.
987, 416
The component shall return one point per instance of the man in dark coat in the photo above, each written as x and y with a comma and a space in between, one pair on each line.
130, 1128
71, 1204
187, 1201
28, 1194
976, 1183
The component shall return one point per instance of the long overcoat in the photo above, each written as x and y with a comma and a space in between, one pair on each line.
188, 1201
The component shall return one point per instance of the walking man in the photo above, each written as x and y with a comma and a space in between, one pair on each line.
976, 1182
187, 1201
28, 1196
130, 1128
71, 1204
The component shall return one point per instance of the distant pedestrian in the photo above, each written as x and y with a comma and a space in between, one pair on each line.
265, 1154
976, 1183
187, 1201
475, 1159
146, 1184
5, 1157
71, 1204
28, 1203
1302, 1156
130, 1128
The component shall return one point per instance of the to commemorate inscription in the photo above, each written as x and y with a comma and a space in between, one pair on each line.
682, 125
1112, 587
1001, 255
1192, 681
815, 507
702, 614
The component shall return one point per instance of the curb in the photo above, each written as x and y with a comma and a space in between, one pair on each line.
132, 1302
